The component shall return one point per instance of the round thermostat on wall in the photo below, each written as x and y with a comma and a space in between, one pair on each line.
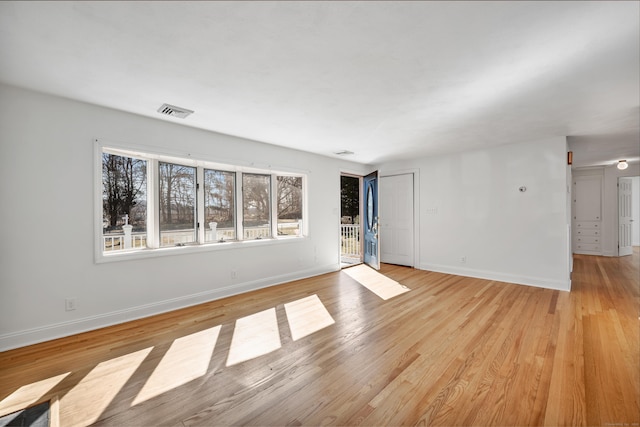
522, 189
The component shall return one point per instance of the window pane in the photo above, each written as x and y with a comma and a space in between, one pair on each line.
124, 202
219, 205
177, 204
256, 205
289, 205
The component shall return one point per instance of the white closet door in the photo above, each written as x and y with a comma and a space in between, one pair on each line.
588, 197
625, 216
396, 219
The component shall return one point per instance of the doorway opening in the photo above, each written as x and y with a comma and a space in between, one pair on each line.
628, 214
351, 242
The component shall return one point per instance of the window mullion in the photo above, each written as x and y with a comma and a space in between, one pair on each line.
305, 206
202, 227
274, 206
153, 204
239, 207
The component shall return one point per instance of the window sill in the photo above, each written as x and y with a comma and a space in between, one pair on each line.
191, 249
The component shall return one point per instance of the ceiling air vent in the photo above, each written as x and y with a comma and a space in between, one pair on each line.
173, 111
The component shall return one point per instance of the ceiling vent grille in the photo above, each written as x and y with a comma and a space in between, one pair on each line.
173, 111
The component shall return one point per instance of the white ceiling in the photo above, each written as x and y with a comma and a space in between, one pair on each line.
386, 80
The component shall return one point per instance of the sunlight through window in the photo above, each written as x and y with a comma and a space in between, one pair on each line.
86, 401
31, 393
254, 336
377, 283
187, 359
306, 316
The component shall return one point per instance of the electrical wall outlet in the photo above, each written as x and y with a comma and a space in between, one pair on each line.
463, 260
234, 274
70, 304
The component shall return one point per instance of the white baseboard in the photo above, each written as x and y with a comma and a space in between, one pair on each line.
540, 282
49, 332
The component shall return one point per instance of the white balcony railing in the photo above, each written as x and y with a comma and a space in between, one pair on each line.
350, 240
116, 242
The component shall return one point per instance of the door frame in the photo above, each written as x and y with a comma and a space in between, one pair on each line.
416, 208
360, 212
617, 217
370, 219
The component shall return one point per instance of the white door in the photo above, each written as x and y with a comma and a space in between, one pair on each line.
396, 219
625, 186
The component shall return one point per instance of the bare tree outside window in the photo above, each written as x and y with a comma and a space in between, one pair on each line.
190, 205
256, 205
124, 199
219, 205
289, 205
177, 204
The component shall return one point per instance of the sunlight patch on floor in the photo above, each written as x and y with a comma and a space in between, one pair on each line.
29, 394
377, 283
306, 316
87, 400
254, 336
187, 359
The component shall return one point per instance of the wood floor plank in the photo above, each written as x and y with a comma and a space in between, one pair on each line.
451, 351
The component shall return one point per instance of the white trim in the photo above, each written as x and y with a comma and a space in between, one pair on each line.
353, 173
273, 203
416, 208
360, 210
239, 206
200, 211
540, 282
190, 249
153, 215
63, 329
305, 206
616, 243
399, 172
97, 200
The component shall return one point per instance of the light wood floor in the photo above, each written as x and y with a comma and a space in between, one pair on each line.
452, 351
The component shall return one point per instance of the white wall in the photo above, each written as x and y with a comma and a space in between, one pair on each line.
470, 206
635, 211
47, 229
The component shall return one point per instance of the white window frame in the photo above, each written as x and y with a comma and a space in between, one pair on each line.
240, 208
153, 249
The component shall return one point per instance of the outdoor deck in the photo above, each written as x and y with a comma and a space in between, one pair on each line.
350, 245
